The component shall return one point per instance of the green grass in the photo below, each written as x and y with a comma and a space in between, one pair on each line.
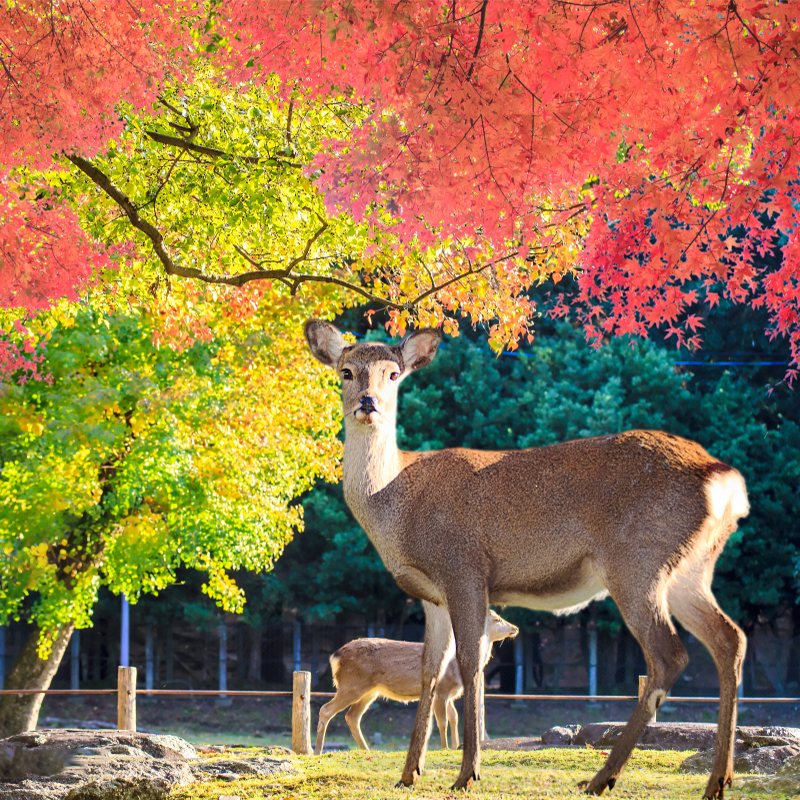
550, 773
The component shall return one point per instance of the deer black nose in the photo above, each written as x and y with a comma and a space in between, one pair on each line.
368, 404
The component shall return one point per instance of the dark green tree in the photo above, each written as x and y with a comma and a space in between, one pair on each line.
560, 389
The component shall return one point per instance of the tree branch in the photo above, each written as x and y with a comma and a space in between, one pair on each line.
285, 275
289, 121
480, 38
176, 141
471, 271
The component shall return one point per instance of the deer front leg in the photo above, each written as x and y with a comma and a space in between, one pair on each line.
452, 721
438, 650
469, 625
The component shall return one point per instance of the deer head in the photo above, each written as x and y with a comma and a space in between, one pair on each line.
371, 373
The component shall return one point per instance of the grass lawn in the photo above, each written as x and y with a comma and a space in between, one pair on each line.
551, 773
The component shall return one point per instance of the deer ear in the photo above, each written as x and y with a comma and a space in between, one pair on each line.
419, 348
325, 341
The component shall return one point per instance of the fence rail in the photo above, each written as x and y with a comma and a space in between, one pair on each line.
488, 695
301, 695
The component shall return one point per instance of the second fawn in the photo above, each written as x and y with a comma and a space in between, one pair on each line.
366, 669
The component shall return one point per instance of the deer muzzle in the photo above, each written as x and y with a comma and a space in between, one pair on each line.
364, 412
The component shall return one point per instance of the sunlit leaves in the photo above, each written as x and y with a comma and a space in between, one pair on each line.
138, 460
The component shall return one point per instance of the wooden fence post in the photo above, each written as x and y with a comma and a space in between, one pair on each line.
301, 713
126, 698
642, 684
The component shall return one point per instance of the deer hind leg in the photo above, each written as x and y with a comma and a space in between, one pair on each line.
666, 657
354, 714
439, 645
472, 642
696, 609
440, 704
452, 721
340, 702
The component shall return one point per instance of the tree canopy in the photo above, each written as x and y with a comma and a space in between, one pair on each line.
650, 147
136, 460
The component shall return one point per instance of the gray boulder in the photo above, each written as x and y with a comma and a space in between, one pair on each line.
785, 781
660, 735
688, 736
560, 735
111, 765
762, 760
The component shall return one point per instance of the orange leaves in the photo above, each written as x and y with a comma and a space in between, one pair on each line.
481, 128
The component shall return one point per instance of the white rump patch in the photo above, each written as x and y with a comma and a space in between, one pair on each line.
726, 493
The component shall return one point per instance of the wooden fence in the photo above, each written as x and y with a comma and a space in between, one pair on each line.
301, 695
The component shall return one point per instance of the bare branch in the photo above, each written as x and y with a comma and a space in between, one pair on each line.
249, 258
298, 279
471, 271
480, 38
289, 121
176, 141
285, 275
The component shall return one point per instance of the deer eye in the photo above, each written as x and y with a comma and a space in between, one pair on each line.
394, 376
347, 375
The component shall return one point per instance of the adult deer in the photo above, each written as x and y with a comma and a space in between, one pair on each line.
640, 515
366, 669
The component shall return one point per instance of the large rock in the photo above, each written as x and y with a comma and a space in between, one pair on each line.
661, 735
785, 781
106, 765
760, 760
687, 736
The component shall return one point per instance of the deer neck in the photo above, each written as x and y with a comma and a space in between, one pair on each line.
371, 460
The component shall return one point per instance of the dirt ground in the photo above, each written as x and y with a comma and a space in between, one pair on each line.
263, 721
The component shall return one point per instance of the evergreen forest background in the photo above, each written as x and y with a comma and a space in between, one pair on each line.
729, 397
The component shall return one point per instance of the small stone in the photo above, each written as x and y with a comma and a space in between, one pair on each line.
558, 735
377, 738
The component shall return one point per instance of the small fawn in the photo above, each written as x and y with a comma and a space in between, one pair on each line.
366, 669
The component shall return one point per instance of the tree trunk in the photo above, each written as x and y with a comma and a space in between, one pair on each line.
20, 713
254, 662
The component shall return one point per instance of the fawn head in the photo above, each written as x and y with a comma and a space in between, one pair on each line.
371, 372
500, 628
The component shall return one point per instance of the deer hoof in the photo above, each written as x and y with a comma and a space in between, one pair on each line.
405, 782
716, 788
587, 788
465, 785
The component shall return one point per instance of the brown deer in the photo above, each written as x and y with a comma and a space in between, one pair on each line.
640, 515
366, 669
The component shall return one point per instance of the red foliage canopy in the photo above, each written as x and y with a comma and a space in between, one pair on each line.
670, 128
